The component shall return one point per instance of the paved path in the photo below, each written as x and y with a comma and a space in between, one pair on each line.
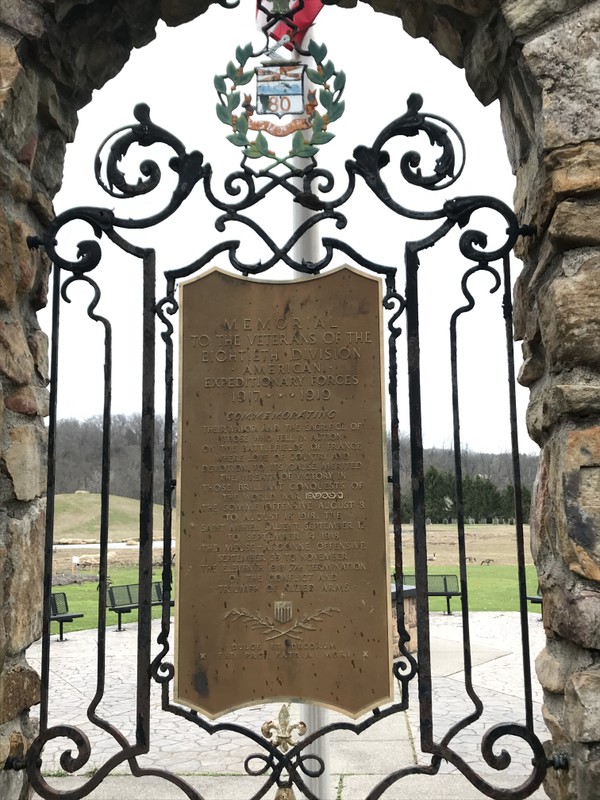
357, 763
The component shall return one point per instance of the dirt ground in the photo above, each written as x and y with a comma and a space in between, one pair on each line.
494, 542
62, 561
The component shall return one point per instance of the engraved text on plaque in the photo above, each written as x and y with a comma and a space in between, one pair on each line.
282, 581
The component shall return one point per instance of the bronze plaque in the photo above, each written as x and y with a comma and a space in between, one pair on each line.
283, 588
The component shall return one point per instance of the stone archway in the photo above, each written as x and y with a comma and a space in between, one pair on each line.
541, 60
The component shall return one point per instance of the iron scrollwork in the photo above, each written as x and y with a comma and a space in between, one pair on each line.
314, 188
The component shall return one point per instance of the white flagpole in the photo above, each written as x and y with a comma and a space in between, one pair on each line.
314, 716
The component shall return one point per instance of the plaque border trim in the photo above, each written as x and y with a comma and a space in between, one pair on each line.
179, 697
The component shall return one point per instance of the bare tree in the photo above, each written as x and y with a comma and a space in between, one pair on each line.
79, 455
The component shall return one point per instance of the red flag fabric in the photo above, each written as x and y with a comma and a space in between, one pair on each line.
303, 19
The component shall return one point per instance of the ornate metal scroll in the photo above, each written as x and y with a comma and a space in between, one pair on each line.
294, 176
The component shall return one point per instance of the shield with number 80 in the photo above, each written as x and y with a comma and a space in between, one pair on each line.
280, 89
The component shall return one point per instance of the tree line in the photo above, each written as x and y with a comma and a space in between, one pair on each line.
79, 455
487, 476
483, 500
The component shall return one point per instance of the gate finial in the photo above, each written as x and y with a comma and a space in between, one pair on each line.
281, 734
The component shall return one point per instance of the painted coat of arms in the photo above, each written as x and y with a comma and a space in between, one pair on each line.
311, 95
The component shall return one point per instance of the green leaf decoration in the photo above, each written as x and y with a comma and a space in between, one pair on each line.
231, 71
297, 141
336, 111
317, 124
242, 125
339, 82
326, 99
243, 53
224, 114
315, 77
317, 51
244, 78
237, 139
220, 84
306, 151
328, 70
322, 138
233, 100
252, 152
262, 144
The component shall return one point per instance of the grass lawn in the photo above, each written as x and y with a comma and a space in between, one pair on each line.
78, 516
491, 588
83, 599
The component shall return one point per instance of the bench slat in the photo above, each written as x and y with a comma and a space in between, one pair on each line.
125, 598
439, 586
59, 611
444, 584
58, 603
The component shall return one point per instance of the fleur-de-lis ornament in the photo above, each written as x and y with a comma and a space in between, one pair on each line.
282, 735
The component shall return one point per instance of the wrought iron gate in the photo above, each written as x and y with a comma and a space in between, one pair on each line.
297, 176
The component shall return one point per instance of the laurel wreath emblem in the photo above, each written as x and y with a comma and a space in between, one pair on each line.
270, 628
325, 76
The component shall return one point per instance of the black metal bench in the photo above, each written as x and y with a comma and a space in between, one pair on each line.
59, 612
439, 586
123, 599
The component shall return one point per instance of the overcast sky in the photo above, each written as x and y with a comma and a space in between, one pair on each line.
174, 76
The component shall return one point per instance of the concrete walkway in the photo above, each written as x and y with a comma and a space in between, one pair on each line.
214, 766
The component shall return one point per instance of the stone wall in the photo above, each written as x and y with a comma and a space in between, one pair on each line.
25, 205
540, 58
